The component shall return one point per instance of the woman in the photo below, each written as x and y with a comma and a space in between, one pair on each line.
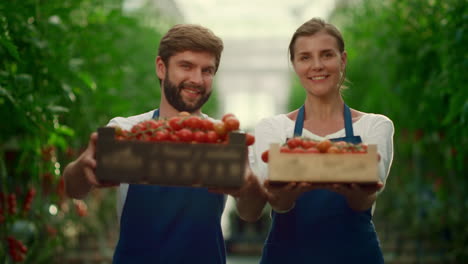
323, 223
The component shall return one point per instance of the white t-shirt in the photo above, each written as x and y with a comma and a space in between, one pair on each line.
126, 123
373, 129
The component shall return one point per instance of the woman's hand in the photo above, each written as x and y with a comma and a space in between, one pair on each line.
360, 197
282, 198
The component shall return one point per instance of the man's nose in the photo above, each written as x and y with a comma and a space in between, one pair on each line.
196, 77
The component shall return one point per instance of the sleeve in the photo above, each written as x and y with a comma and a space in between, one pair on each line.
266, 132
381, 134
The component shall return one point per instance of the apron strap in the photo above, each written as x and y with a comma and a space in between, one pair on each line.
348, 122
156, 113
299, 122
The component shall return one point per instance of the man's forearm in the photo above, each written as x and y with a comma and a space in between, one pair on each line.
76, 185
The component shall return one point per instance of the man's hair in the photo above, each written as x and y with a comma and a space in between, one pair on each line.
189, 37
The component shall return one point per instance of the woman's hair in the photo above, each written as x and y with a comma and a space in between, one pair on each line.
313, 26
188, 37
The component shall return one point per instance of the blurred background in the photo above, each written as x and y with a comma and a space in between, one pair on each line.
67, 67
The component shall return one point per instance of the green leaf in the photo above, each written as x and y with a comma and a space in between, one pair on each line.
65, 130
4, 92
10, 47
57, 109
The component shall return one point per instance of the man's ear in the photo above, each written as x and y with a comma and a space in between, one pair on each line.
160, 68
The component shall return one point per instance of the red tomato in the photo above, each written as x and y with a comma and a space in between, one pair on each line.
226, 116
249, 139
199, 136
285, 149
175, 123
184, 113
219, 128
185, 135
192, 122
206, 124
174, 138
231, 124
298, 150
308, 143
312, 150
265, 156
161, 135
334, 149
324, 145
211, 137
294, 142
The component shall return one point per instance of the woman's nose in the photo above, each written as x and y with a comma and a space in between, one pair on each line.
316, 64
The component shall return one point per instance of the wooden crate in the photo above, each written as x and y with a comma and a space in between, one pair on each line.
323, 167
166, 163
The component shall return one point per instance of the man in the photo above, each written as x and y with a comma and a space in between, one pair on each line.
162, 224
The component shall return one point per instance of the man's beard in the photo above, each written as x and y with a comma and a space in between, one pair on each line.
174, 97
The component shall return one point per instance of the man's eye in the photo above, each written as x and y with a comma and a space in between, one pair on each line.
208, 71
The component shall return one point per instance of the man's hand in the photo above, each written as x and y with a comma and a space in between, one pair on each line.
251, 187
250, 197
80, 176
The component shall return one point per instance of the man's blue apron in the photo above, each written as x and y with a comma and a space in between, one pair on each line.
321, 228
162, 224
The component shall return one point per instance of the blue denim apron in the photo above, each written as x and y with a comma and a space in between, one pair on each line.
321, 228
165, 224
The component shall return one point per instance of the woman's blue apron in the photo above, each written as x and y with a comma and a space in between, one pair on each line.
162, 224
321, 228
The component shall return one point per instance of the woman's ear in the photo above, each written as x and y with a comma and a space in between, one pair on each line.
160, 68
344, 60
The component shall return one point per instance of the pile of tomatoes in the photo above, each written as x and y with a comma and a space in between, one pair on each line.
184, 128
306, 145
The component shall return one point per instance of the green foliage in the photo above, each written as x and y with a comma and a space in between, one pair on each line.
408, 60
66, 68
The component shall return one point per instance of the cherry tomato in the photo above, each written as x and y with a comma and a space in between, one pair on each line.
206, 124
184, 113
294, 142
185, 135
312, 150
219, 128
265, 156
334, 149
249, 139
192, 122
285, 149
231, 124
298, 150
175, 123
199, 136
226, 116
308, 143
324, 145
161, 135
211, 137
